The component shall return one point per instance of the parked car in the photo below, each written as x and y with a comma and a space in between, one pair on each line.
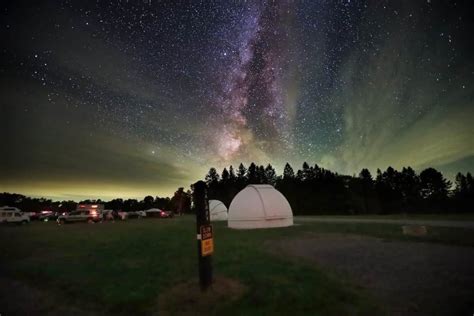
111, 215
46, 216
167, 214
133, 215
33, 215
155, 212
13, 215
141, 214
89, 216
108, 215
122, 215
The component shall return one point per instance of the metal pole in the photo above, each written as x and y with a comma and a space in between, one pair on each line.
204, 235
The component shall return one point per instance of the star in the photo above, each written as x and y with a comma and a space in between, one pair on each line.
347, 85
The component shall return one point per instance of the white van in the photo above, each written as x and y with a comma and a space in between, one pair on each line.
13, 215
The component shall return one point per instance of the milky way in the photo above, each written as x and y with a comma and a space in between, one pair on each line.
101, 99
250, 105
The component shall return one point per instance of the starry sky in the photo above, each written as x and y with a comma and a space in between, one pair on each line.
103, 99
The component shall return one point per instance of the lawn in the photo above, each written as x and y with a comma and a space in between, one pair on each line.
430, 217
445, 235
124, 267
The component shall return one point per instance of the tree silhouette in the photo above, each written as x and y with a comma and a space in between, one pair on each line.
261, 176
310, 190
241, 176
212, 177
433, 189
181, 201
232, 176
288, 172
148, 202
241, 172
225, 176
131, 205
409, 187
212, 181
387, 187
115, 204
367, 187
270, 175
252, 176
461, 183
433, 185
470, 184
305, 172
464, 193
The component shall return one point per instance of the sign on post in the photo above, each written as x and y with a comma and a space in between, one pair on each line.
207, 243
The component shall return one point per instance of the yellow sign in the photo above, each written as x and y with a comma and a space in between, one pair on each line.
207, 243
207, 247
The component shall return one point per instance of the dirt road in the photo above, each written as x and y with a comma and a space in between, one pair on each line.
408, 278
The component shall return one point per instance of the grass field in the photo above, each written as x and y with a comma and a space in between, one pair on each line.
430, 217
446, 235
124, 267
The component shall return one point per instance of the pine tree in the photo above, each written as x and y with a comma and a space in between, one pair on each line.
367, 183
317, 172
470, 184
299, 175
365, 175
378, 178
212, 177
461, 185
241, 180
288, 172
225, 176
252, 174
270, 175
232, 176
306, 172
241, 172
409, 186
261, 176
433, 184
148, 202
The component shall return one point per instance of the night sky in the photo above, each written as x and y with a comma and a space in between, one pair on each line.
128, 98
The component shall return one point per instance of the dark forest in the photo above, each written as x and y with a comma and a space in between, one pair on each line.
310, 190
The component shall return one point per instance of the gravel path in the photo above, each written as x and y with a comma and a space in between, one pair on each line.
435, 223
409, 278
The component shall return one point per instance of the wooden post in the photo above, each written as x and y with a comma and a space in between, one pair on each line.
204, 235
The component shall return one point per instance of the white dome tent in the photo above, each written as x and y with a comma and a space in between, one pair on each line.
259, 206
217, 210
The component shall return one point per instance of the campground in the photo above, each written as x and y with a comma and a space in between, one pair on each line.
149, 267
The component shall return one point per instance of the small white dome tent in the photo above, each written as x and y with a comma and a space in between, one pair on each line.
217, 210
259, 206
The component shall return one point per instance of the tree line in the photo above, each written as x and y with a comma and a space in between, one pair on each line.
315, 190
179, 203
309, 190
